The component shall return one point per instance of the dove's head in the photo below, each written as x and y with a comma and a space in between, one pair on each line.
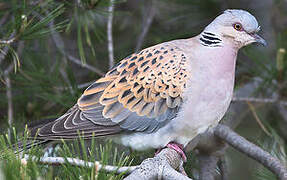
236, 26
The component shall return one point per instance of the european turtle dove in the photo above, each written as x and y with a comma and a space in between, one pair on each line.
166, 94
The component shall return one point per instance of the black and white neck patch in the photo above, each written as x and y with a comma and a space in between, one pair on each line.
210, 39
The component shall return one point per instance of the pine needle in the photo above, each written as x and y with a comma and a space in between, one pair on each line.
253, 111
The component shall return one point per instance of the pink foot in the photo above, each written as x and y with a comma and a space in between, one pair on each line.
177, 147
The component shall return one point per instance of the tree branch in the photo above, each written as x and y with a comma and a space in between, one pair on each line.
4, 18
61, 47
209, 149
79, 86
9, 100
8, 41
168, 163
251, 150
253, 111
223, 168
6, 48
110, 34
147, 21
9, 88
259, 100
162, 166
207, 164
55, 161
87, 66
3, 53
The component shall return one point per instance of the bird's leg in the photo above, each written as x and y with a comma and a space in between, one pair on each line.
177, 147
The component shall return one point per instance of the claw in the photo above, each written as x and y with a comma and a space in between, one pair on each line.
178, 148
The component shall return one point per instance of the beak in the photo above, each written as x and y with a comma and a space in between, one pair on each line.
259, 39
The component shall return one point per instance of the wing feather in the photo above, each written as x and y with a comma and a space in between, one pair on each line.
142, 93
66, 128
142, 90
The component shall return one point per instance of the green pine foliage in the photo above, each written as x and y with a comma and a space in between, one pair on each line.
13, 165
277, 148
38, 39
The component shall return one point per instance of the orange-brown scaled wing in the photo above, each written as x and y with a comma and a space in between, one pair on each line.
142, 93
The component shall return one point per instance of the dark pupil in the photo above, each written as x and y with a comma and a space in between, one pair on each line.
237, 26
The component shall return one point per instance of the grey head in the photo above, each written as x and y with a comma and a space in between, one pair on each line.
236, 26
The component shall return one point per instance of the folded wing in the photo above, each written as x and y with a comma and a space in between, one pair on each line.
142, 93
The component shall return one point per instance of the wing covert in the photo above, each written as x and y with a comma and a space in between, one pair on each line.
142, 93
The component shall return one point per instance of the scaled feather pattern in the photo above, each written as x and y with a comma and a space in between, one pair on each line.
141, 93
167, 93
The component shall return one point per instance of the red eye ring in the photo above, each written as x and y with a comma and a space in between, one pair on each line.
237, 27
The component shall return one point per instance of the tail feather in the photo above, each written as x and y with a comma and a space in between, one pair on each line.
20, 146
69, 126
32, 139
29, 140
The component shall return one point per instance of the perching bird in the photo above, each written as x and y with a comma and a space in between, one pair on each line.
166, 94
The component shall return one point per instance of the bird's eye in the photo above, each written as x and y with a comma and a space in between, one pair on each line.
237, 26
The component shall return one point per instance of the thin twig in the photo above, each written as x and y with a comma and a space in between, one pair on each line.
4, 18
9, 97
110, 34
81, 163
83, 85
87, 66
253, 111
6, 48
223, 168
147, 21
207, 163
61, 47
3, 53
208, 151
9, 100
251, 150
9, 89
80, 86
12, 38
9, 41
260, 100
